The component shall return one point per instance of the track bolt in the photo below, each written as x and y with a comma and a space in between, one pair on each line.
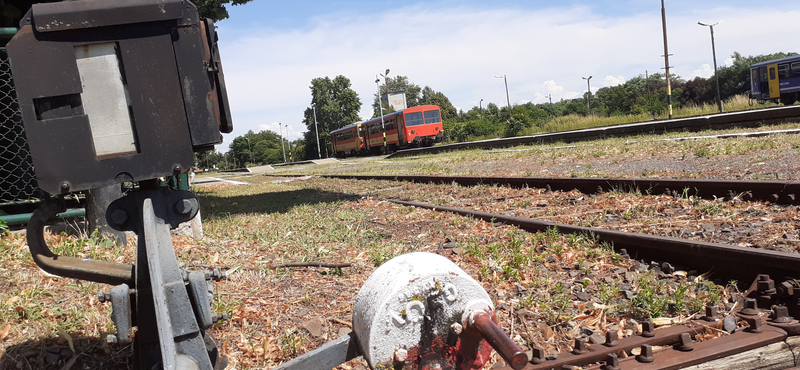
218, 318
685, 343
612, 338
781, 315
646, 354
102, 297
712, 313
648, 329
580, 346
750, 308
754, 325
612, 362
537, 355
65, 187
765, 284
785, 289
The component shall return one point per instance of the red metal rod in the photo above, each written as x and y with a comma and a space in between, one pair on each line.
501, 343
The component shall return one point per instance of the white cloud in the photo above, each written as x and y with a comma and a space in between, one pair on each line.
728, 62
705, 71
613, 81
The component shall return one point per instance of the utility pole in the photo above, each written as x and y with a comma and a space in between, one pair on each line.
480, 108
280, 133
588, 95
507, 99
249, 149
314, 107
666, 59
714, 54
550, 96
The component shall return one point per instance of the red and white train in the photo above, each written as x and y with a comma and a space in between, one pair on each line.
411, 127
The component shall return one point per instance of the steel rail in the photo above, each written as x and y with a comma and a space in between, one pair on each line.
730, 261
781, 192
750, 118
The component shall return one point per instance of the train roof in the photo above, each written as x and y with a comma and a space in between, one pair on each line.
775, 61
346, 127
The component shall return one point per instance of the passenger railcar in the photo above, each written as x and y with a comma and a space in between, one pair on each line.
777, 79
411, 127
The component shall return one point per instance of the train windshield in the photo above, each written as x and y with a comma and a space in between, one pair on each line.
432, 116
414, 119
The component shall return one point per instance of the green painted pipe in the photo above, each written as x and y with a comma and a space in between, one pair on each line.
23, 218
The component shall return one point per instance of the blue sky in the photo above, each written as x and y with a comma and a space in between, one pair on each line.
271, 50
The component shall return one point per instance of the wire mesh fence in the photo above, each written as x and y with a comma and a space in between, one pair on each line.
17, 181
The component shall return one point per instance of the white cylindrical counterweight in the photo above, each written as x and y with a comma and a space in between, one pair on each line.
415, 308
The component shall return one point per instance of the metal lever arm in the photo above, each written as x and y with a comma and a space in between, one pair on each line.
79, 268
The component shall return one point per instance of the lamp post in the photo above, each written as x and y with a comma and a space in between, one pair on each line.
507, 99
589, 95
480, 108
280, 133
249, 149
314, 107
380, 105
714, 54
287, 142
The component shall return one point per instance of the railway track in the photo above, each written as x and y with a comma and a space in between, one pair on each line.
769, 328
779, 192
715, 121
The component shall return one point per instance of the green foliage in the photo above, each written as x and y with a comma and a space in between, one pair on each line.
336, 105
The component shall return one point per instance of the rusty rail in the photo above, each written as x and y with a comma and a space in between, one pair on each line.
782, 192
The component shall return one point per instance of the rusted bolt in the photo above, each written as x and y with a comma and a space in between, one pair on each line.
119, 216
177, 169
186, 206
612, 338
781, 315
537, 355
765, 284
750, 308
65, 187
785, 289
646, 354
711, 313
580, 346
685, 343
754, 325
612, 362
648, 329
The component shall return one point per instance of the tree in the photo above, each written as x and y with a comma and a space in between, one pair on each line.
337, 105
430, 97
215, 9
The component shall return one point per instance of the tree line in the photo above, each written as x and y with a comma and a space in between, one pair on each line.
336, 105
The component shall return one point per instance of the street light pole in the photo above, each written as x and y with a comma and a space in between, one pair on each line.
507, 99
588, 95
280, 133
314, 107
714, 54
480, 108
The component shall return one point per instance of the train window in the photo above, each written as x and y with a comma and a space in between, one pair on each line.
796, 69
432, 116
771, 73
783, 71
414, 119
